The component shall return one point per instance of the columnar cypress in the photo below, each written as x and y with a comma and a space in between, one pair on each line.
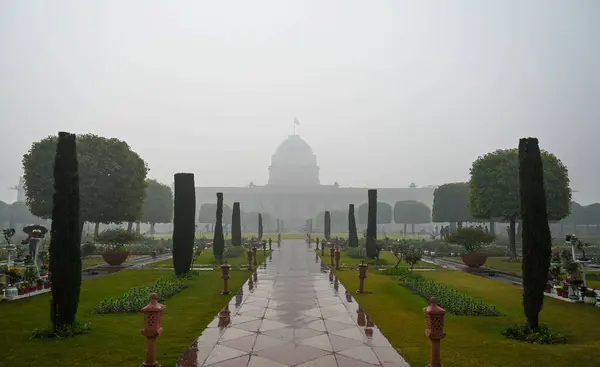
535, 238
278, 225
184, 222
65, 235
372, 225
352, 234
236, 225
260, 227
219, 240
310, 229
327, 225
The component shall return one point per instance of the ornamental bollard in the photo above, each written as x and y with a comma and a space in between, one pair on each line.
361, 319
264, 246
152, 329
225, 269
255, 276
239, 296
348, 296
336, 284
250, 284
250, 260
330, 275
337, 258
317, 242
434, 316
331, 255
254, 254
224, 317
323, 248
362, 275
270, 248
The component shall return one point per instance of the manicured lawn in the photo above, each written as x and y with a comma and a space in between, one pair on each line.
94, 260
115, 340
386, 258
207, 258
477, 341
302, 236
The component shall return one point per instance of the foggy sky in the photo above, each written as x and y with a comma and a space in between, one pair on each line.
387, 92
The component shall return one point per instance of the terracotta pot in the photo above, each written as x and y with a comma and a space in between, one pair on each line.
474, 260
115, 257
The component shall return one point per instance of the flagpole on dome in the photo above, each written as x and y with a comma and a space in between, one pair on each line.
296, 123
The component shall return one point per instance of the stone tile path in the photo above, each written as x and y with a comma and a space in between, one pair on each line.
290, 314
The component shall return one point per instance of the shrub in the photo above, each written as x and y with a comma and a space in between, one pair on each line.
137, 297
63, 331
356, 252
472, 239
232, 252
116, 238
544, 335
453, 300
88, 249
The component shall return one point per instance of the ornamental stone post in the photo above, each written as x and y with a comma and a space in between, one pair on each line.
225, 269
362, 275
434, 317
337, 258
152, 329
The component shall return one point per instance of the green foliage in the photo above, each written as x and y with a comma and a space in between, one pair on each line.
236, 225
384, 213
116, 238
158, 203
543, 335
327, 225
352, 233
208, 210
338, 220
450, 203
65, 260
137, 297
231, 252
494, 186
536, 238
63, 331
356, 252
184, 222
111, 179
453, 300
219, 239
472, 239
411, 212
373, 208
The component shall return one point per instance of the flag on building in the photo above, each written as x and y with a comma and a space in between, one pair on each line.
296, 122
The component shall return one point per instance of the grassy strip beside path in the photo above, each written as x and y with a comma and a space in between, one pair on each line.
476, 340
302, 236
206, 257
114, 340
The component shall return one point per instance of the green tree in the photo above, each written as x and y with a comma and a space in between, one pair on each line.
19, 213
384, 213
219, 239
373, 208
352, 234
327, 225
450, 203
236, 225
158, 204
112, 179
411, 212
536, 240
494, 188
338, 220
65, 261
184, 222
208, 210
260, 226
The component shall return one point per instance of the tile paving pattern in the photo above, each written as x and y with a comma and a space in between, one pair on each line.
290, 314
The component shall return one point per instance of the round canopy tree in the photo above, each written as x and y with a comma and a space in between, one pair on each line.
494, 188
158, 204
338, 218
384, 213
450, 203
112, 179
208, 213
411, 212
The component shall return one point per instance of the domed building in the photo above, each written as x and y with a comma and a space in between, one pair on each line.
294, 192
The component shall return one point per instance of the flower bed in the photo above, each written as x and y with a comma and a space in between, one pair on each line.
453, 300
137, 297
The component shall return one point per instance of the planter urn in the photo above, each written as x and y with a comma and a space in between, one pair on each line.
115, 257
473, 260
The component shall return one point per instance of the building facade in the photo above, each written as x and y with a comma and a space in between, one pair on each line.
294, 192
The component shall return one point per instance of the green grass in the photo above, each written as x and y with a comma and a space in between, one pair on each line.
114, 340
475, 340
91, 260
385, 257
302, 236
207, 258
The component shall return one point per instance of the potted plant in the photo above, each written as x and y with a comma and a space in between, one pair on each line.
473, 240
555, 259
39, 284
589, 297
115, 241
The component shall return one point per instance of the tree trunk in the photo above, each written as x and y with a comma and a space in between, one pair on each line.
405, 229
413, 228
459, 224
129, 227
512, 245
152, 228
492, 227
96, 229
519, 232
137, 228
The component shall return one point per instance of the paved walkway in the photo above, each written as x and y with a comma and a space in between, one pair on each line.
290, 314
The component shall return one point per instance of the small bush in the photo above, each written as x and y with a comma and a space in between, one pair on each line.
522, 332
137, 297
88, 249
232, 252
62, 332
356, 252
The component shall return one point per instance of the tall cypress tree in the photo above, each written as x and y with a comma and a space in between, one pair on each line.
372, 225
327, 225
535, 238
260, 227
184, 222
352, 234
278, 225
236, 225
219, 240
65, 235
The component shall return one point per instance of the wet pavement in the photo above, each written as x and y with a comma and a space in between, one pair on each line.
289, 313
